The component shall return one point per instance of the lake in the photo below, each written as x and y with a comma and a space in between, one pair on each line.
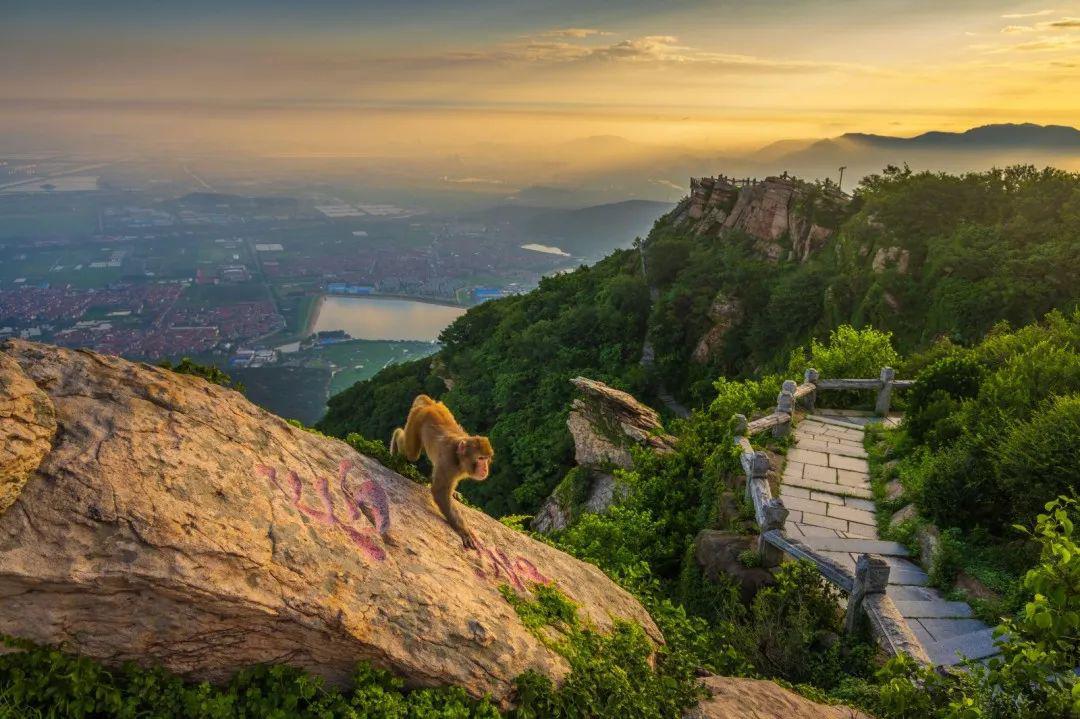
384, 318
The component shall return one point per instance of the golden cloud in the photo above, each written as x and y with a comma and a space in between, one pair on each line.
1037, 13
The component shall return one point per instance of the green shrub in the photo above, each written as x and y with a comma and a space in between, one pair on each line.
611, 674
792, 630
1040, 458
849, 353
49, 683
948, 560
210, 373
936, 398
378, 451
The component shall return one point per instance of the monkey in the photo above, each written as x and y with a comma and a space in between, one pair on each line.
454, 455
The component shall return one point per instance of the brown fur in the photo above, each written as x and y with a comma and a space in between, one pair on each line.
454, 455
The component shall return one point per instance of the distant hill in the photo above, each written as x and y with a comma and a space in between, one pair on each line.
974, 149
589, 232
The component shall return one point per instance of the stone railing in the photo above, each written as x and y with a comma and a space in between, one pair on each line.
865, 587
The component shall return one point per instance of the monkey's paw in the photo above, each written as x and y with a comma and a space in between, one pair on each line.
470, 540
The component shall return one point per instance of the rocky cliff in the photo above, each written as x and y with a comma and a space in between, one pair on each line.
788, 218
604, 423
154, 517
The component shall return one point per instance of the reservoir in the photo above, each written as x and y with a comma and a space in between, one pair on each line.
385, 318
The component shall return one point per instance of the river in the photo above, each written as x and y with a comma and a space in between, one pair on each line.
385, 318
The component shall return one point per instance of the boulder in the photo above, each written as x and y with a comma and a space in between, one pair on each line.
738, 698
886, 257
717, 553
558, 512
159, 518
905, 513
606, 422
929, 539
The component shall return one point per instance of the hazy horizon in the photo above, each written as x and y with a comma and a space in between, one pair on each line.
489, 99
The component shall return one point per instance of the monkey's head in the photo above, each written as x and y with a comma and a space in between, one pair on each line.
475, 455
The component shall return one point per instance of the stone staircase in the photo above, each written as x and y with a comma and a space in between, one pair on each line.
826, 488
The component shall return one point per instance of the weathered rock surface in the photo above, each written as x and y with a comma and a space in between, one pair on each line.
169, 521
27, 426
905, 513
717, 553
725, 312
557, 513
886, 257
604, 423
737, 698
769, 210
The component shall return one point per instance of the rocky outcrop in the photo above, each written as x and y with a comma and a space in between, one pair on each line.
718, 555
558, 511
887, 257
738, 698
777, 211
604, 423
159, 518
725, 312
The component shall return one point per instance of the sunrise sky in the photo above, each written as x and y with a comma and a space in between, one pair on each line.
324, 76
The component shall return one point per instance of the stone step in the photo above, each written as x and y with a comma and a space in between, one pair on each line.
974, 645
820, 445
835, 422
934, 609
841, 489
858, 546
915, 578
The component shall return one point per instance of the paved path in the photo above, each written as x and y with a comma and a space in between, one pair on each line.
826, 488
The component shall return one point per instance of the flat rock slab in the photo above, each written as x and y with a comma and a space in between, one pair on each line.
936, 609
169, 521
976, 645
858, 546
944, 628
841, 489
846, 423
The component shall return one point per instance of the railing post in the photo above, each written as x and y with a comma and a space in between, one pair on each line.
811, 376
871, 577
760, 467
785, 403
884, 398
775, 516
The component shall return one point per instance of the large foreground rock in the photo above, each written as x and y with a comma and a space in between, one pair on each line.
737, 698
159, 518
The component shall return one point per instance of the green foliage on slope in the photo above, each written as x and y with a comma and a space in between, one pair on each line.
993, 430
511, 361
966, 252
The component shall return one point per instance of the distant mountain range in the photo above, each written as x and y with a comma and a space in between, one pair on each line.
977, 148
